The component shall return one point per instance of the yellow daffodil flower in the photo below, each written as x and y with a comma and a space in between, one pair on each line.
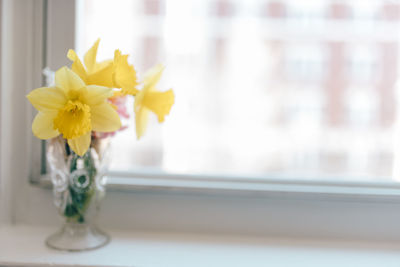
149, 99
115, 73
73, 109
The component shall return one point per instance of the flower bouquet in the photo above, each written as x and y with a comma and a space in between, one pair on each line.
80, 114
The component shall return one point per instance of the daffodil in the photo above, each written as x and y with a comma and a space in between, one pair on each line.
117, 73
73, 109
150, 99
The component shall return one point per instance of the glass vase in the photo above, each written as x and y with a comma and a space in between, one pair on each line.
78, 187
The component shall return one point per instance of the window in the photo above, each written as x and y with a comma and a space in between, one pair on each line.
263, 88
316, 206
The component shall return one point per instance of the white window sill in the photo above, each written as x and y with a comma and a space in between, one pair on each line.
24, 246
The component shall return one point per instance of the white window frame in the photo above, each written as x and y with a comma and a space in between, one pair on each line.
220, 205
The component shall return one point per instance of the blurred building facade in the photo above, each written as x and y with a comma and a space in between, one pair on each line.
265, 86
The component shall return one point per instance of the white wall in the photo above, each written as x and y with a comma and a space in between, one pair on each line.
4, 197
2, 216
19, 58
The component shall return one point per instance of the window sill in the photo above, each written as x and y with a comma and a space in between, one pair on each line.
24, 246
355, 190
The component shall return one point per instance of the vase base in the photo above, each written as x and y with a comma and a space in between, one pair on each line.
77, 237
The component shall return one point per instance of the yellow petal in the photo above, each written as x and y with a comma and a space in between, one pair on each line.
152, 77
141, 114
95, 95
118, 93
45, 99
124, 74
67, 80
159, 102
141, 120
42, 126
102, 77
90, 57
77, 66
101, 65
105, 118
80, 144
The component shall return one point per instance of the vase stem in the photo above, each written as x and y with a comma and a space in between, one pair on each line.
77, 237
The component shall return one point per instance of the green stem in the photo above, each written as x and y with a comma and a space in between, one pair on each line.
80, 199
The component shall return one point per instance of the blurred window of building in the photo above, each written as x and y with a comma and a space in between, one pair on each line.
363, 63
